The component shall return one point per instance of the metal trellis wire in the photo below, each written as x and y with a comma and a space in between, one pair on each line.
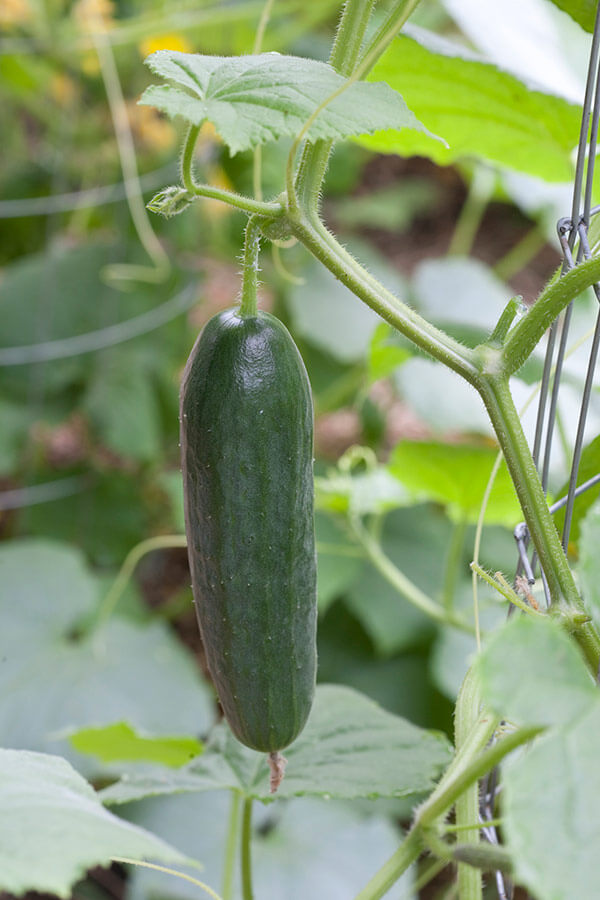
573, 237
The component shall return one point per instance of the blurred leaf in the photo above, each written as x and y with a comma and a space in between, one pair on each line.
460, 290
514, 670
589, 560
349, 748
441, 398
121, 402
56, 676
255, 99
392, 208
412, 538
15, 425
583, 11
120, 742
107, 518
550, 811
387, 350
55, 828
588, 467
456, 475
450, 88
297, 847
172, 484
330, 316
339, 560
373, 491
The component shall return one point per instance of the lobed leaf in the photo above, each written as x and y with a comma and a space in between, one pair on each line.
254, 99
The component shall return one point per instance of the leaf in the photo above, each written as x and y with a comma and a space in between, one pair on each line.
120, 742
374, 491
589, 561
301, 849
456, 475
349, 748
330, 316
533, 674
583, 11
412, 538
479, 109
121, 402
387, 351
460, 290
339, 560
56, 676
550, 811
588, 467
54, 827
254, 99
392, 208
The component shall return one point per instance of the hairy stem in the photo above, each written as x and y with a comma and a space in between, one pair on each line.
248, 306
470, 886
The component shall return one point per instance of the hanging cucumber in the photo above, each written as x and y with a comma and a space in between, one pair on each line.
247, 452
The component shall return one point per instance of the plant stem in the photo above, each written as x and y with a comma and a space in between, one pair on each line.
453, 560
347, 270
554, 298
113, 595
231, 845
472, 212
249, 205
246, 851
522, 253
406, 854
467, 805
168, 871
248, 305
402, 584
344, 54
496, 395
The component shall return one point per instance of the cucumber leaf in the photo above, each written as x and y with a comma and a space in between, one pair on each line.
514, 669
120, 742
480, 110
350, 748
456, 475
550, 810
254, 99
54, 827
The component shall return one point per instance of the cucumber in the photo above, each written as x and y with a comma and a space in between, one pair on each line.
247, 458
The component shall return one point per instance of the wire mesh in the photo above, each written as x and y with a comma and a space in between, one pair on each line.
573, 237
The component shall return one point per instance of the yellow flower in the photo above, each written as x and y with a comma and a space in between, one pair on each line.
15, 12
165, 42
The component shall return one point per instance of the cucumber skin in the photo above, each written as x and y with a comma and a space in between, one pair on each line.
247, 459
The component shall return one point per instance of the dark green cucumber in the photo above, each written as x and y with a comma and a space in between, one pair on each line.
247, 456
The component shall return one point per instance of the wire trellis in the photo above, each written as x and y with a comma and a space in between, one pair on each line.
573, 237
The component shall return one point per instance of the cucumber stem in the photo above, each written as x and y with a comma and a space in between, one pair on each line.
277, 764
246, 855
248, 305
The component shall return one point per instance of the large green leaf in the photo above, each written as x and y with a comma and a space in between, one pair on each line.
120, 742
583, 11
350, 748
532, 673
480, 110
57, 676
254, 99
301, 849
551, 820
54, 828
456, 475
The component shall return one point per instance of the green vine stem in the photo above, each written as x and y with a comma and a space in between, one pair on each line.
248, 304
343, 57
271, 210
168, 871
233, 828
246, 850
467, 713
115, 592
402, 584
